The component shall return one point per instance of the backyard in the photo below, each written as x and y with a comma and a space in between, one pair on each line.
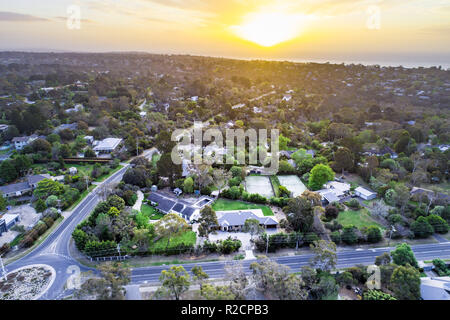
359, 219
151, 212
229, 205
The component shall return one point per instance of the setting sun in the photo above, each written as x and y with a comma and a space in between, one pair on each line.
269, 28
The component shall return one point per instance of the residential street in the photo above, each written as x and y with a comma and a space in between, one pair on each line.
54, 251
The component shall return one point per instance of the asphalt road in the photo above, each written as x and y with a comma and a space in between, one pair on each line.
54, 250
346, 258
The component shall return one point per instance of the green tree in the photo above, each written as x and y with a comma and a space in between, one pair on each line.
422, 228
439, 225
188, 185
174, 282
373, 234
343, 160
283, 142
208, 218
405, 283
325, 257
300, 214
171, 225
319, 175
8, 171
349, 235
109, 286
211, 292
48, 187
403, 255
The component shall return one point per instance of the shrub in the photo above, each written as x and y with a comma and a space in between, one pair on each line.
40, 228
421, 228
48, 221
353, 203
439, 225
349, 235
310, 238
377, 295
80, 237
373, 234
229, 245
331, 212
336, 237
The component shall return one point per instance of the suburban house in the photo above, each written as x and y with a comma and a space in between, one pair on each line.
365, 194
187, 210
7, 221
89, 139
107, 145
235, 220
22, 188
21, 142
419, 192
76, 108
435, 288
334, 191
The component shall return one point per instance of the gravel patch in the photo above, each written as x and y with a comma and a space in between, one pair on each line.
27, 283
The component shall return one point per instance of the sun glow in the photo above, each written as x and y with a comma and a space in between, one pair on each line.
270, 28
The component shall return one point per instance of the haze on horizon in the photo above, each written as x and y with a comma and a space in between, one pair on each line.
415, 31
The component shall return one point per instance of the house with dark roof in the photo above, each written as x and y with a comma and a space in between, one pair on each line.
22, 188
169, 204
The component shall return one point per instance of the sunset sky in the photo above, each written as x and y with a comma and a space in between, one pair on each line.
330, 30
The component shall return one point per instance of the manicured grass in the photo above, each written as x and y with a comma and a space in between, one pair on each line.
84, 169
360, 218
151, 212
187, 238
16, 240
228, 205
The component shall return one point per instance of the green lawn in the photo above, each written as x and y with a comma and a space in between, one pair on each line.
228, 205
188, 238
84, 169
360, 218
151, 212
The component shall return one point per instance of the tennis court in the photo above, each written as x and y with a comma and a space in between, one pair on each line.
293, 184
260, 185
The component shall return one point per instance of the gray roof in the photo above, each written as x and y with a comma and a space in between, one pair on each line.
165, 204
15, 187
36, 178
435, 288
238, 219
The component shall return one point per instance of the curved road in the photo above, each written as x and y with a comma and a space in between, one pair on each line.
54, 251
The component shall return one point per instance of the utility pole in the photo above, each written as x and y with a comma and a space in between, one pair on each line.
267, 243
3, 269
87, 182
118, 249
390, 234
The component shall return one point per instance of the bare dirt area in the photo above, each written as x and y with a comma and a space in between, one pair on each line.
28, 283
